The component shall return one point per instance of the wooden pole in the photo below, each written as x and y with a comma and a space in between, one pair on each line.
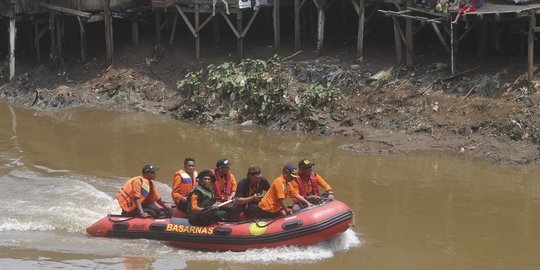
12, 33
108, 31
397, 39
158, 29
409, 34
532, 24
215, 28
452, 49
82, 33
239, 40
360, 37
313, 13
36, 40
197, 38
277, 25
59, 37
175, 21
320, 26
440, 36
297, 35
135, 32
482, 39
52, 23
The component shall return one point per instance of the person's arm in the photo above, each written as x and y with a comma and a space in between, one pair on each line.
244, 200
233, 187
284, 206
177, 197
164, 205
194, 205
139, 207
321, 182
303, 200
157, 198
136, 187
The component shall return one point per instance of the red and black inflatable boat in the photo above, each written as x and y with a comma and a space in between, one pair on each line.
306, 227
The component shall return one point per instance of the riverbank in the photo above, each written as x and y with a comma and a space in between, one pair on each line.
487, 111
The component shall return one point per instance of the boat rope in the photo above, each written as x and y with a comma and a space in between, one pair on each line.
266, 224
109, 216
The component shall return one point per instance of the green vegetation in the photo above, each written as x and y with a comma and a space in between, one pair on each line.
252, 89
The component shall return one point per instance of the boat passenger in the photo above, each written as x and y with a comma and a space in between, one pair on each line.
183, 182
225, 184
202, 209
273, 202
138, 196
249, 193
308, 183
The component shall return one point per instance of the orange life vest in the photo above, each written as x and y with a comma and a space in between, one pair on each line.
126, 197
182, 185
314, 185
227, 189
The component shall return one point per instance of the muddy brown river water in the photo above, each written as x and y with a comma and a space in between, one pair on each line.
60, 170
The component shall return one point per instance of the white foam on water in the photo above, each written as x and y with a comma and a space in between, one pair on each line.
314, 253
33, 202
47, 169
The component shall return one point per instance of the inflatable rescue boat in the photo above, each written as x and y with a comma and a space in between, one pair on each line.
306, 227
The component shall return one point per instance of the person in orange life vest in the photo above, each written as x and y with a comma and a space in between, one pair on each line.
273, 202
249, 193
183, 182
308, 183
138, 195
202, 209
225, 184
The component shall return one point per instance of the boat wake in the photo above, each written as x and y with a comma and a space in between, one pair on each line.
314, 253
34, 202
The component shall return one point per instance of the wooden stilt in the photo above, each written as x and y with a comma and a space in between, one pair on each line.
277, 25
215, 28
197, 38
440, 36
135, 32
397, 39
158, 28
82, 33
497, 42
52, 23
452, 49
530, 54
240, 40
482, 39
175, 20
313, 17
409, 37
320, 26
410, 41
59, 36
12, 33
297, 37
36, 40
360, 36
108, 31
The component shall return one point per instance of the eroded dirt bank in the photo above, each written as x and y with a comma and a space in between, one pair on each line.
488, 112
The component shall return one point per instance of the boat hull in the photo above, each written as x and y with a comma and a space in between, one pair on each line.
306, 227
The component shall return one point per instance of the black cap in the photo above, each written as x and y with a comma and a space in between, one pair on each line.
149, 168
291, 169
206, 173
305, 164
223, 163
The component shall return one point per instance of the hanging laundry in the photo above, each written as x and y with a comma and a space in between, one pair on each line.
244, 3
